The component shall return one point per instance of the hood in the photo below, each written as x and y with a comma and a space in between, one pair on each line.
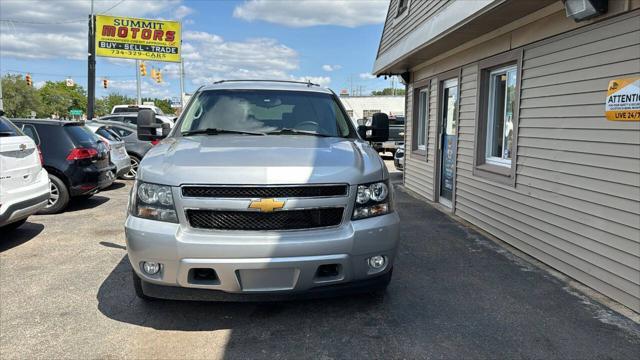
257, 160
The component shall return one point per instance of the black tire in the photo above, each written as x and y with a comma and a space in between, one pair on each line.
13, 225
59, 197
131, 174
137, 286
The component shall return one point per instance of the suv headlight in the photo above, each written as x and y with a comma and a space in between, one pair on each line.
372, 200
153, 201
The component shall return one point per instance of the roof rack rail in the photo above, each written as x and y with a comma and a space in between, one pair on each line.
308, 82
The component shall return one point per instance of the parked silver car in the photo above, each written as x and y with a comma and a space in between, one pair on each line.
261, 187
117, 151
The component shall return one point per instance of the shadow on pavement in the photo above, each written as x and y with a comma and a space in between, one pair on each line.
80, 204
112, 245
117, 300
19, 236
116, 185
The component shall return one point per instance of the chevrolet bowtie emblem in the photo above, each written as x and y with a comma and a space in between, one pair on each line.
266, 205
23, 147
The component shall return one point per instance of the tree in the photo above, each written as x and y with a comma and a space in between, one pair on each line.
164, 105
58, 98
104, 105
388, 91
20, 99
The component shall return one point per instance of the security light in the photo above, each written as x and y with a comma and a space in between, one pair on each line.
580, 10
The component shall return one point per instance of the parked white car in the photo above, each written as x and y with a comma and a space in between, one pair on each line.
117, 150
24, 184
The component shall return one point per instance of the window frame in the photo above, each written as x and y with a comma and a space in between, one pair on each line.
420, 87
483, 165
35, 133
401, 13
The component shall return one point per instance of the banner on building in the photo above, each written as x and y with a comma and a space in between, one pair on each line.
133, 38
623, 100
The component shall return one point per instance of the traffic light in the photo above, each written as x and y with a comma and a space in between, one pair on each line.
27, 78
143, 69
153, 73
158, 76
105, 83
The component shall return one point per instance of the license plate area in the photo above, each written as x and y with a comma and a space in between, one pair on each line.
279, 279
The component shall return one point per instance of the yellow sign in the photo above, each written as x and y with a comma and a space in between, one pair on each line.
266, 205
132, 38
623, 100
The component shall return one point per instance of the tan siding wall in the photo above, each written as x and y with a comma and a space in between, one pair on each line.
395, 29
576, 203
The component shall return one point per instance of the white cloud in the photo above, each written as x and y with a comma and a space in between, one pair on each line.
330, 68
148, 88
182, 11
367, 76
43, 29
348, 13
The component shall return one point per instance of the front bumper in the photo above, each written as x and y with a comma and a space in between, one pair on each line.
262, 262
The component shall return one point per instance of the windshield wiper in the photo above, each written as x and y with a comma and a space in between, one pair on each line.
216, 131
287, 131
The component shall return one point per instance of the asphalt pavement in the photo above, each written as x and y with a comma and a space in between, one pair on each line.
65, 292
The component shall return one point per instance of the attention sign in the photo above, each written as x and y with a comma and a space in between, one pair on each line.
623, 100
133, 38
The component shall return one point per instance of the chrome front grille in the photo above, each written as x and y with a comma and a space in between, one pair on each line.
252, 192
251, 220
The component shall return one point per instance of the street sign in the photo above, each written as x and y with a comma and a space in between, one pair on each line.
623, 100
134, 38
70, 82
75, 112
175, 102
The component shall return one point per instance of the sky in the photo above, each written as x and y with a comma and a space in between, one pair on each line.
330, 42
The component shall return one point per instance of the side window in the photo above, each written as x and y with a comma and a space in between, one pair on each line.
31, 132
130, 120
403, 8
497, 119
122, 132
420, 116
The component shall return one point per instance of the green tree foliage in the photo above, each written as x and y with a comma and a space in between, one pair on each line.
20, 99
164, 105
58, 98
388, 91
104, 105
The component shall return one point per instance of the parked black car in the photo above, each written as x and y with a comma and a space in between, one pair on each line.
77, 161
135, 148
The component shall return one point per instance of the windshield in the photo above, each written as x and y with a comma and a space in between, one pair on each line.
266, 111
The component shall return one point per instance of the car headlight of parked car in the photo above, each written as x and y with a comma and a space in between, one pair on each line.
154, 202
372, 199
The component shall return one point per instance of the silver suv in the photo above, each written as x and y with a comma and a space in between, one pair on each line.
262, 188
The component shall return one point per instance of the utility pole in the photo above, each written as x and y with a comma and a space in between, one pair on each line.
91, 69
138, 92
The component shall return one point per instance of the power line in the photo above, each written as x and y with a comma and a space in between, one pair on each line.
111, 8
43, 23
65, 76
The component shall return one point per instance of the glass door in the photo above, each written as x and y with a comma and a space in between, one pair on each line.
448, 139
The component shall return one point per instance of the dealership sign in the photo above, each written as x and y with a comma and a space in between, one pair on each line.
623, 100
133, 38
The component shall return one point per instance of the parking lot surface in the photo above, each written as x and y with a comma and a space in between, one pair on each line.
65, 292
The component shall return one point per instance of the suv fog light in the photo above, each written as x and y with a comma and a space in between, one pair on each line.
377, 262
150, 267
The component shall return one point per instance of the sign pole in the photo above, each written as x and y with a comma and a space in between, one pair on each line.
138, 91
181, 83
91, 76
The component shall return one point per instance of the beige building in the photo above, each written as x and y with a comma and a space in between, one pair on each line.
359, 107
506, 126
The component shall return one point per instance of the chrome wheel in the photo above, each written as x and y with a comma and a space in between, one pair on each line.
54, 194
131, 175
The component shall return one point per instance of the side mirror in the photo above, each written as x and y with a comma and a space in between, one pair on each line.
148, 128
379, 128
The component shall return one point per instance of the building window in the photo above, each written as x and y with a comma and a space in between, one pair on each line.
402, 6
502, 100
350, 113
423, 111
497, 117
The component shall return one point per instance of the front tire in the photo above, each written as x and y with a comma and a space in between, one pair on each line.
131, 174
137, 287
58, 197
